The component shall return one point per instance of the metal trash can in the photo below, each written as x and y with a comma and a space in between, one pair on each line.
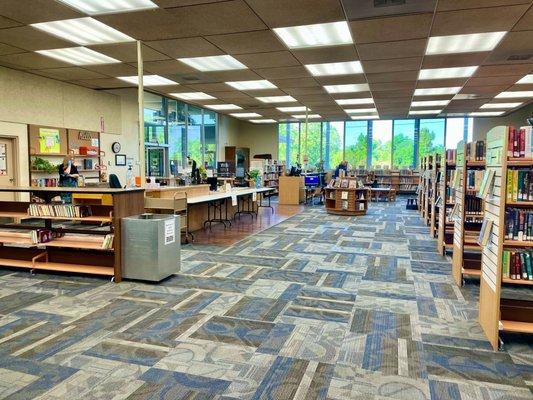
150, 246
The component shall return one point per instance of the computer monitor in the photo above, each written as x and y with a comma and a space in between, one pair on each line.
312, 180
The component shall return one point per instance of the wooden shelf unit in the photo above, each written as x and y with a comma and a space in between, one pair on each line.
271, 173
496, 312
466, 252
447, 193
356, 202
434, 193
79, 253
424, 200
404, 181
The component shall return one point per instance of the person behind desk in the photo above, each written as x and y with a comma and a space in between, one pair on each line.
68, 177
195, 171
342, 166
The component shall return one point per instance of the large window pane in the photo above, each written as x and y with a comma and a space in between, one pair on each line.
333, 142
176, 134
355, 151
154, 119
404, 143
294, 143
313, 143
282, 143
194, 134
431, 136
381, 143
210, 138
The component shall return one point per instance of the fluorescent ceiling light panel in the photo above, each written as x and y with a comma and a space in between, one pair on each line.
302, 116
447, 73
526, 79
263, 121
78, 56
422, 112
466, 96
246, 115
464, 43
349, 102
293, 109
338, 68
304, 36
276, 99
213, 63
429, 103
222, 107
363, 117
515, 95
252, 85
360, 110
192, 96
350, 88
486, 113
84, 31
96, 7
148, 80
501, 105
437, 91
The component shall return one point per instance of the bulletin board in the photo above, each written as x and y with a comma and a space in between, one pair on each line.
47, 140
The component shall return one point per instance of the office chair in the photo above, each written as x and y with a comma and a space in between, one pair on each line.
114, 182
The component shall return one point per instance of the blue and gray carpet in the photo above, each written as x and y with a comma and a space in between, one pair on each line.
317, 307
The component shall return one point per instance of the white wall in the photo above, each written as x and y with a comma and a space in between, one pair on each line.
516, 119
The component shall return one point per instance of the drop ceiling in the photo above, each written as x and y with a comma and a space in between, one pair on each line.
390, 41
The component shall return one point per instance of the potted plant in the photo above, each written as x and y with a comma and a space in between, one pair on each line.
40, 164
255, 177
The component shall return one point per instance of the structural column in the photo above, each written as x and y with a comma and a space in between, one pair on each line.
140, 100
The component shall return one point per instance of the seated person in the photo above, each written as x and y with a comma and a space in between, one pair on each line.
342, 166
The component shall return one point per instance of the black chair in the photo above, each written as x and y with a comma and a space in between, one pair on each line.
114, 182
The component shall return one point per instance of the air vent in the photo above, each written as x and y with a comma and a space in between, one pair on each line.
388, 3
519, 57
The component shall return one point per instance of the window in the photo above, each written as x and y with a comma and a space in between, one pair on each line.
194, 133
404, 143
210, 139
293, 143
431, 136
355, 151
333, 143
154, 119
311, 147
381, 143
282, 143
177, 131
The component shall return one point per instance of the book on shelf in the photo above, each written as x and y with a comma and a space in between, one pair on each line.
438, 202
59, 210
519, 224
473, 179
475, 151
344, 195
473, 205
484, 232
361, 206
519, 185
344, 204
520, 142
517, 264
344, 183
352, 184
486, 183
107, 243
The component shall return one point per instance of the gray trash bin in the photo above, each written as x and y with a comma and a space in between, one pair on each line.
150, 246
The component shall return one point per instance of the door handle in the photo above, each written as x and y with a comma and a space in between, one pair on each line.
11, 179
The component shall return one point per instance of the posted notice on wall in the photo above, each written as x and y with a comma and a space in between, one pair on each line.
170, 231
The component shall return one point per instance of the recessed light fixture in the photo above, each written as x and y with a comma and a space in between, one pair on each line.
437, 91
193, 96
429, 103
263, 121
360, 110
469, 43
276, 99
501, 105
213, 63
222, 107
422, 112
246, 115
338, 68
304, 36
364, 117
350, 102
84, 31
350, 88
252, 85
148, 80
526, 79
447, 73
78, 56
293, 109
486, 113
96, 7
515, 95
303, 116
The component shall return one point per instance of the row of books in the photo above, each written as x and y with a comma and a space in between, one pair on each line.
44, 182
475, 151
451, 155
473, 179
520, 142
473, 205
518, 224
346, 183
519, 185
517, 264
59, 210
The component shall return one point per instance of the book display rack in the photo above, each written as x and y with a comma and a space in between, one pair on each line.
346, 196
434, 194
467, 212
272, 170
79, 238
424, 200
506, 286
447, 195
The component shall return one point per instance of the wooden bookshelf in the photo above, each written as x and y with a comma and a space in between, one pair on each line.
81, 252
444, 235
346, 201
498, 312
434, 193
466, 260
271, 173
426, 177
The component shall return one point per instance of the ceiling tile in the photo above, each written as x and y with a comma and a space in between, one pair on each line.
454, 60
210, 87
477, 20
436, 83
31, 61
392, 76
31, 39
391, 28
296, 83
283, 72
326, 54
167, 67
171, 88
8, 23
7, 49
385, 86
357, 95
232, 96
281, 13
450, 5
503, 70
516, 47
493, 89
33, 11
367, 9
393, 94
182, 3
341, 80
267, 92
247, 42
234, 75
113, 70
494, 80
68, 73
186, 47
107, 83
206, 19
465, 104
305, 90
387, 50
521, 87
267, 60
397, 64
526, 22
127, 52
314, 97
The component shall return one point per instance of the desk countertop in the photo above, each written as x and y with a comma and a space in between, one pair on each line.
171, 188
226, 195
67, 189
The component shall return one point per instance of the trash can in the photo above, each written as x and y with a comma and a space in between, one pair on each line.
150, 246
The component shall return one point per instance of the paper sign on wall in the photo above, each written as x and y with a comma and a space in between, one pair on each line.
170, 231
49, 141
3, 160
234, 200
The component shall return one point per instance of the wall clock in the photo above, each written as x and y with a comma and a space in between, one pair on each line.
116, 147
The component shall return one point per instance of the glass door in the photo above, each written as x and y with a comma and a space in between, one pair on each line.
156, 161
